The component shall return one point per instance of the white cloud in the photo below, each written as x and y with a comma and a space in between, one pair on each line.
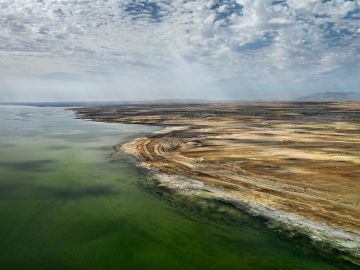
216, 39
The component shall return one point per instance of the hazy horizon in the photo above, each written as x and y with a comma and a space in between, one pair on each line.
142, 50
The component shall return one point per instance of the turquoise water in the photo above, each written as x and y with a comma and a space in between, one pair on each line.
68, 201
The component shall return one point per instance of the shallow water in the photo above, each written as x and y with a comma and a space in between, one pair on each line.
67, 201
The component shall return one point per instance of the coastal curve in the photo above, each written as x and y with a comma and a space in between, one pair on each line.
295, 164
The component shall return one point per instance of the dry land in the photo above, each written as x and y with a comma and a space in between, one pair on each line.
298, 163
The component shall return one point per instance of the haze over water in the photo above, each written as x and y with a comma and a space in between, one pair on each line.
67, 201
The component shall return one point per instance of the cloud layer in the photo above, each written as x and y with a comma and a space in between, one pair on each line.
156, 46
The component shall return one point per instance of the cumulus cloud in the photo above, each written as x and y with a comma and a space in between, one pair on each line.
164, 41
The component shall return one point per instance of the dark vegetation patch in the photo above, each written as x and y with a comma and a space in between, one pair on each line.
6, 188
34, 166
100, 148
65, 193
58, 147
7, 145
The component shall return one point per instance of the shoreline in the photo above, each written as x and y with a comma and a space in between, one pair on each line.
296, 164
342, 240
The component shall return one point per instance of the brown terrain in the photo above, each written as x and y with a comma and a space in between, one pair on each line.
297, 158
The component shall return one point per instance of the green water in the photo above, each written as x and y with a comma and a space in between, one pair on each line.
68, 202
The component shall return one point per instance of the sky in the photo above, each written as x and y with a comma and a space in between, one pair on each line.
117, 50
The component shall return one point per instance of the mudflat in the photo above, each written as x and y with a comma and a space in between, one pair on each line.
297, 159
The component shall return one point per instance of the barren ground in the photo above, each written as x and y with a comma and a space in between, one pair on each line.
299, 158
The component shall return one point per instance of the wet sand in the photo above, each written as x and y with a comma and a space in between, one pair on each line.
298, 163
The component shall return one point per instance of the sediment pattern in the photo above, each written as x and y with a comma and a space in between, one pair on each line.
297, 158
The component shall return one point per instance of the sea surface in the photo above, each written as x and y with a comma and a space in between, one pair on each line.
68, 200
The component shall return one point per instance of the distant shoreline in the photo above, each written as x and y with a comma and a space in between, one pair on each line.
317, 97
